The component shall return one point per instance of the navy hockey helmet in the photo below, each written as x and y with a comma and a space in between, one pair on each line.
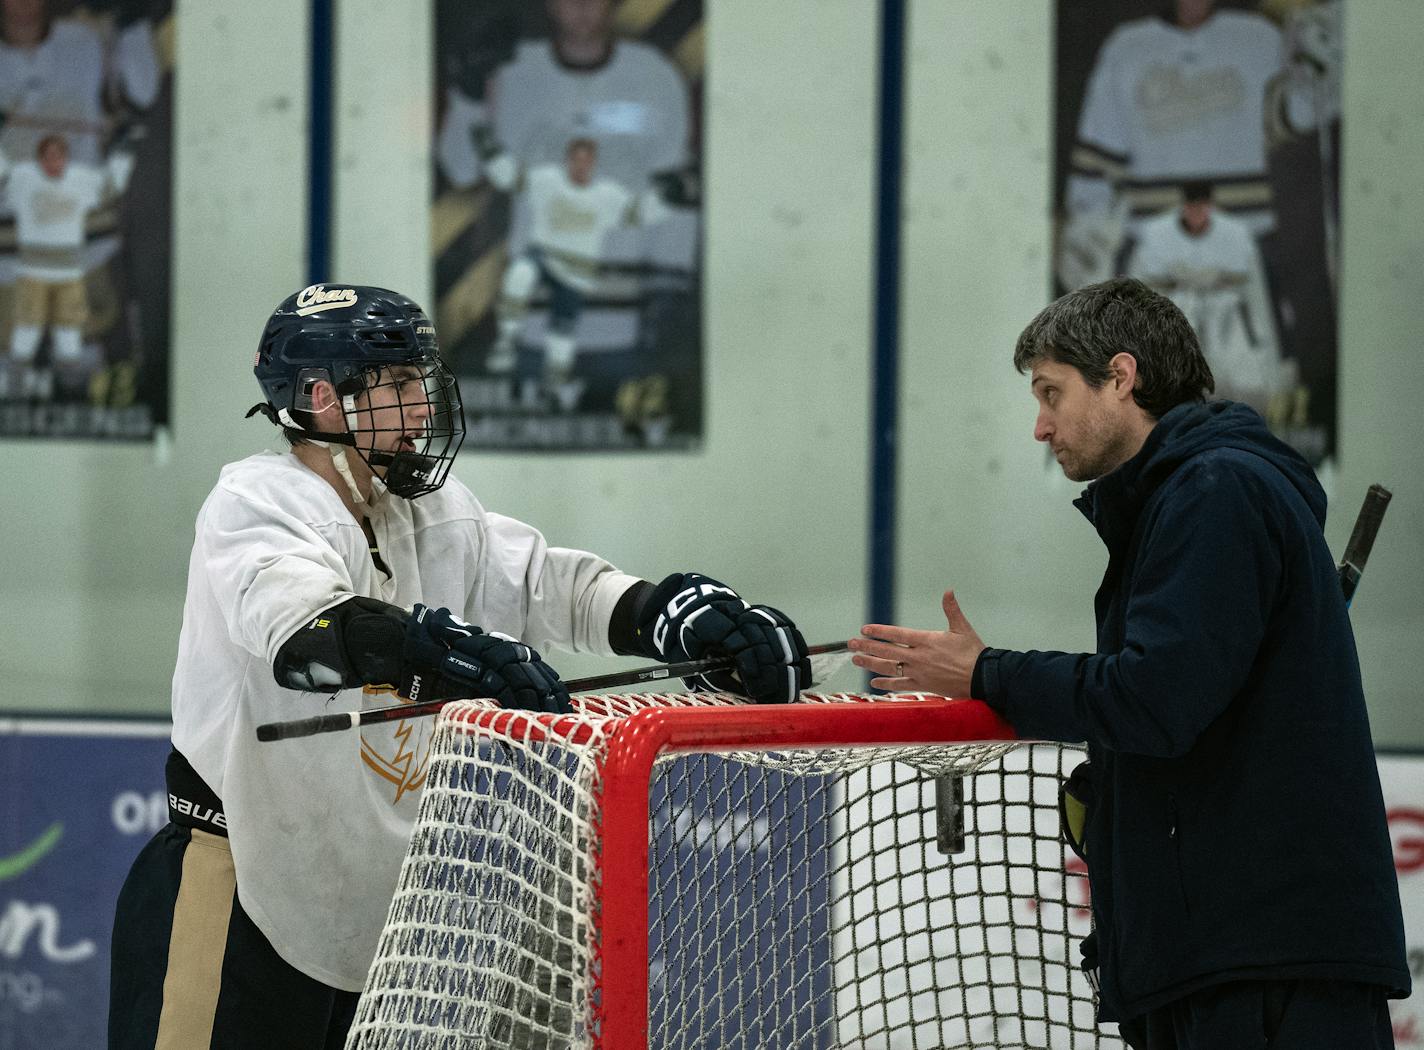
399, 404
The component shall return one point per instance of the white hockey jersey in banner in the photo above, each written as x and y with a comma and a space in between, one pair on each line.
1166, 104
57, 86
49, 217
1217, 280
634, 105
569, 223
319, 826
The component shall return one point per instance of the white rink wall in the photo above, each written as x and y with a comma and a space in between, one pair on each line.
97, 537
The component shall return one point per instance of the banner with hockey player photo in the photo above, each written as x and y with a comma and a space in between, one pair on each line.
566, 232
85, 217
1197, 149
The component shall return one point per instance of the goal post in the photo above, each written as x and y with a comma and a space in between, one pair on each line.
663, 731
690, 870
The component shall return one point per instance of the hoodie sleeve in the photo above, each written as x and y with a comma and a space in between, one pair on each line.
1199, 599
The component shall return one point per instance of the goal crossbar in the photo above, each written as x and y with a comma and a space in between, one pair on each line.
635, 745
633, 875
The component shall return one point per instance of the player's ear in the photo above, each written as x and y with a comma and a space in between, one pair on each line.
324, 398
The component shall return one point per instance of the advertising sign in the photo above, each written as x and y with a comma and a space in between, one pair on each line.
86, 796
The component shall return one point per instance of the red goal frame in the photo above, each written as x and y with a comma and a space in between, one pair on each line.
618, 996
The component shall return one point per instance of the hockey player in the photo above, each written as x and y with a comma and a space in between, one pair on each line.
1168, 100
571, 213
51, 197
1207, 263
57, 74
353, 571
582, 81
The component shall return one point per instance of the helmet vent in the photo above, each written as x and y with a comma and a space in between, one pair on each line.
386, 337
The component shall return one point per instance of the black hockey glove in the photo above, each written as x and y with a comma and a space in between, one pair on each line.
445, 658
690, 617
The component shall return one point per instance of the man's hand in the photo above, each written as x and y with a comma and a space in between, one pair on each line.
910, 661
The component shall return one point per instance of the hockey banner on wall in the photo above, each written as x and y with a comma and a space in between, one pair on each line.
567, 224
85, 217
1197, 149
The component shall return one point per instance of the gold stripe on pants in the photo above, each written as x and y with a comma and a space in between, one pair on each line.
197, 944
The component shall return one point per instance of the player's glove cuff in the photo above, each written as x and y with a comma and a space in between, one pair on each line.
446, 658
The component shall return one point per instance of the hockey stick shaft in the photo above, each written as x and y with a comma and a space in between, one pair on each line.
1362, 539
335, 723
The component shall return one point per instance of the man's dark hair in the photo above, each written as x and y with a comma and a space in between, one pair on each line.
1088, 327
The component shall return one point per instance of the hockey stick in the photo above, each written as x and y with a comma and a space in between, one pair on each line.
1362, 539
335, 723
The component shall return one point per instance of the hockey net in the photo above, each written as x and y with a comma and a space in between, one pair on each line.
687, 870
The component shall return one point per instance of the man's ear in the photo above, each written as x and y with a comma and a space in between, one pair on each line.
1124, 374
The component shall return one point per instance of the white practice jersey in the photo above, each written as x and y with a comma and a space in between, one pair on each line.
569, 223
49, 217
319, 826
58, 87
1165, 105
1217, 280
634, 106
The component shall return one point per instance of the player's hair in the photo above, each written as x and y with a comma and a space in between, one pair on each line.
1090, 326
1196, 190
47, 17
53, 139
582, 142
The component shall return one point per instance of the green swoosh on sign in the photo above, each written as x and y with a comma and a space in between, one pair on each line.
31, 854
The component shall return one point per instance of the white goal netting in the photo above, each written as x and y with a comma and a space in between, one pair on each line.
674, 871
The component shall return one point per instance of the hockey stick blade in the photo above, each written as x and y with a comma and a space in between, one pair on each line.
335, 723
1362, 539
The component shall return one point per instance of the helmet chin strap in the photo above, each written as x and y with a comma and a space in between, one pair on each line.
338, 452
338, 460
338, 456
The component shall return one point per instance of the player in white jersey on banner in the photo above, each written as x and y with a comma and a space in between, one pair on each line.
51, 196
1208, 264
55, 75
584, 81
570, 212
1168, 100
352, 571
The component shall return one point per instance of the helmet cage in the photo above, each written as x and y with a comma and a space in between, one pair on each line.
404, 419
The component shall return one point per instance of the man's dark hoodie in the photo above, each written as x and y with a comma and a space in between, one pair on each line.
1237, 829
